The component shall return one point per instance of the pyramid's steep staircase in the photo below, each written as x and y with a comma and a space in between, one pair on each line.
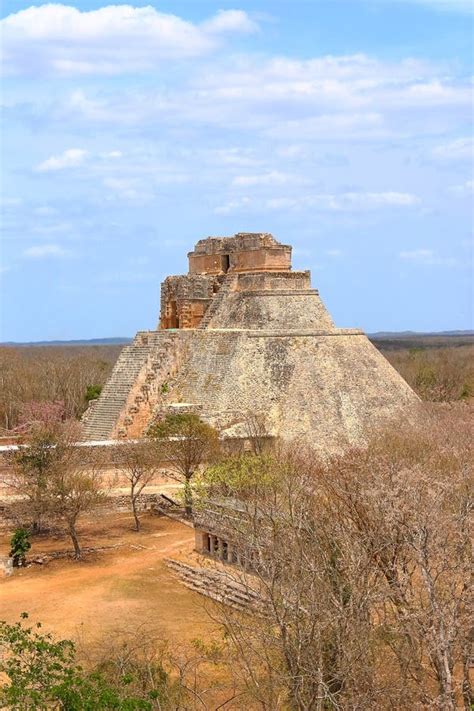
227, 285
141, 369
108, 407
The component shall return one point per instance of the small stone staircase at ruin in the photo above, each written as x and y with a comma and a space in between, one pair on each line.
219, 585
213, 308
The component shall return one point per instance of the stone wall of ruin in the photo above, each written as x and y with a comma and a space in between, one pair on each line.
243, 252
276, 258
185, 299
273, 281
331, 386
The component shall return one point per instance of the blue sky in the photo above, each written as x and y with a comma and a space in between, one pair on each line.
132, 131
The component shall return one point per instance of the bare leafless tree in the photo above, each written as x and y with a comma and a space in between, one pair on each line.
364, 564
256, 430
49, 374
137, 462
408, 498
56, 479
75, 484
184, 443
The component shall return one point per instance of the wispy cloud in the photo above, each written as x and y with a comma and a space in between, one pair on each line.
125, 188
10, 202
45, 210
273, 177
124, 277
46, 251
427, 257
340, 99
330, 202
457, 149
71, 158
77, 157
233, 206
346, 201
464, 190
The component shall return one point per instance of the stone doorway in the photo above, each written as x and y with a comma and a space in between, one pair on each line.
225, 263
173, 317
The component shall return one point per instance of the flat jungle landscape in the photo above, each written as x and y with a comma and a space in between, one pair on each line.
438, 367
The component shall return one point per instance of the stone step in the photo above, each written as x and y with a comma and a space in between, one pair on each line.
218, 585
216, 301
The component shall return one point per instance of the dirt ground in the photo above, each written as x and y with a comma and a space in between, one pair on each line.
111, 590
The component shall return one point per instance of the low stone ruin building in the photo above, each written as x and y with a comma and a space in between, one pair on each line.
243, 334
216, 532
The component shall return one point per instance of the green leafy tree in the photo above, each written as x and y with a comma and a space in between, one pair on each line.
37, 669
19, 546
93, 392
41, 673
185, 443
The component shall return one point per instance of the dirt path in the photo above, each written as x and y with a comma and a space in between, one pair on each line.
112, 590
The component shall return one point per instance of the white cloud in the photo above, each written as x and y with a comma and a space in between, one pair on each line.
436, 93
45, 251
10, 202
52, 228
458, 149
126, 277
229, 21
111, 155
417, 254
334, 252
129, 189
293, 102
427, 257
45, 211
71, 158
233, 206
235, 156
76, 158
464, 190
56, 38
273, 177
345, 201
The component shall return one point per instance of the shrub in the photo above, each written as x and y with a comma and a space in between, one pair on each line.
19, 546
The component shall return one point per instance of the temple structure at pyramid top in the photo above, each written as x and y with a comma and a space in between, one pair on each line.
243, 334
259, 288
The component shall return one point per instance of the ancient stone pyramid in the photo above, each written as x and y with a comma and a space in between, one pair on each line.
242, 334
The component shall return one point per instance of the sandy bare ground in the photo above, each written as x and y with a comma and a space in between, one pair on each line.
110, 590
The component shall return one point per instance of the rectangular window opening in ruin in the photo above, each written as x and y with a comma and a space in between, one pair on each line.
225, 263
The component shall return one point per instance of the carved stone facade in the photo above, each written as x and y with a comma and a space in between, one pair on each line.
242, 334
